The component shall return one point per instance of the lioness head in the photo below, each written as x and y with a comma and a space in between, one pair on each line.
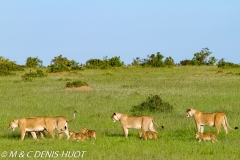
116, 116
190, 112
13, 125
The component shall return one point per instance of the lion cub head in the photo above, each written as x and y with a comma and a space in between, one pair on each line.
148, 135
89, 133
77, 136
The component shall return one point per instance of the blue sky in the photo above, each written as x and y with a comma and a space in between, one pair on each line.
84, 29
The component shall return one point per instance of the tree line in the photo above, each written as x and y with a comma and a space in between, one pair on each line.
60, 63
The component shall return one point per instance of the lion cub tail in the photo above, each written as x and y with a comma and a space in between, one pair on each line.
162, 127
74, 116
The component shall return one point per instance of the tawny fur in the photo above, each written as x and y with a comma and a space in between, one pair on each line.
39, 124
136, 122
206, 137
91, 134
211, 119
148, 135
77, 136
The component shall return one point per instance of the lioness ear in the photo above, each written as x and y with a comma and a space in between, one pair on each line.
114, 113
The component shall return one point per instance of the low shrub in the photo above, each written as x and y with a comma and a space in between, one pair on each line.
6, 73
76, 84
153, 103
30, 75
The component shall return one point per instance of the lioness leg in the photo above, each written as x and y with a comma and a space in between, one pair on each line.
225, 128
23, 134
201, 128
125, 132
60, 135
67, 133
52, 134
63, 129
41, 134
34, 135
218, 127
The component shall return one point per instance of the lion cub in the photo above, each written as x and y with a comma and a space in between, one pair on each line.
89, 133
77, 136
206, 136
148, 135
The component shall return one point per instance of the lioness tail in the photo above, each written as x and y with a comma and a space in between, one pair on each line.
74, 115
162, 127
228, 124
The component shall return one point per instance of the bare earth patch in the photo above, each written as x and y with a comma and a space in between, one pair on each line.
84, 88
198, 75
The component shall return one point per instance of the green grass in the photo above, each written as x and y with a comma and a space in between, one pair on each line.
117, 90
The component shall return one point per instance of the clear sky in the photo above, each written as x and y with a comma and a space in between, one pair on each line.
84, 29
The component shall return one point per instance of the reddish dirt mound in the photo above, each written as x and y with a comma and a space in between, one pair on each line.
198, 75
80, 88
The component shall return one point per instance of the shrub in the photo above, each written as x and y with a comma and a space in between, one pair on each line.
105, 63
30, 75
76, 84
7, 65
33, 62
6, 73
152, 104
61, 64
223, 64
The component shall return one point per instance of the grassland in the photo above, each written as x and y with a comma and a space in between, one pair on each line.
207, 89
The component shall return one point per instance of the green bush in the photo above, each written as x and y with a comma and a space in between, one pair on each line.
6, 73
61, 64
6, 65
30, 75
152, 104
76, 84
223, 64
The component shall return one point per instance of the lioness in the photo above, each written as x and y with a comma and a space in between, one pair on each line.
206, 136
77, 136
35, 124
89, 133
148, 135
135, 122
211, 119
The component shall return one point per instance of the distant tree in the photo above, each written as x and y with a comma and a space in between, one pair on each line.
115, 62
223, 64
212, 61
94, 63
185, 62
105, 63
136, 62
59, 64
33, 62
153, 60
200, 58
169, 61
